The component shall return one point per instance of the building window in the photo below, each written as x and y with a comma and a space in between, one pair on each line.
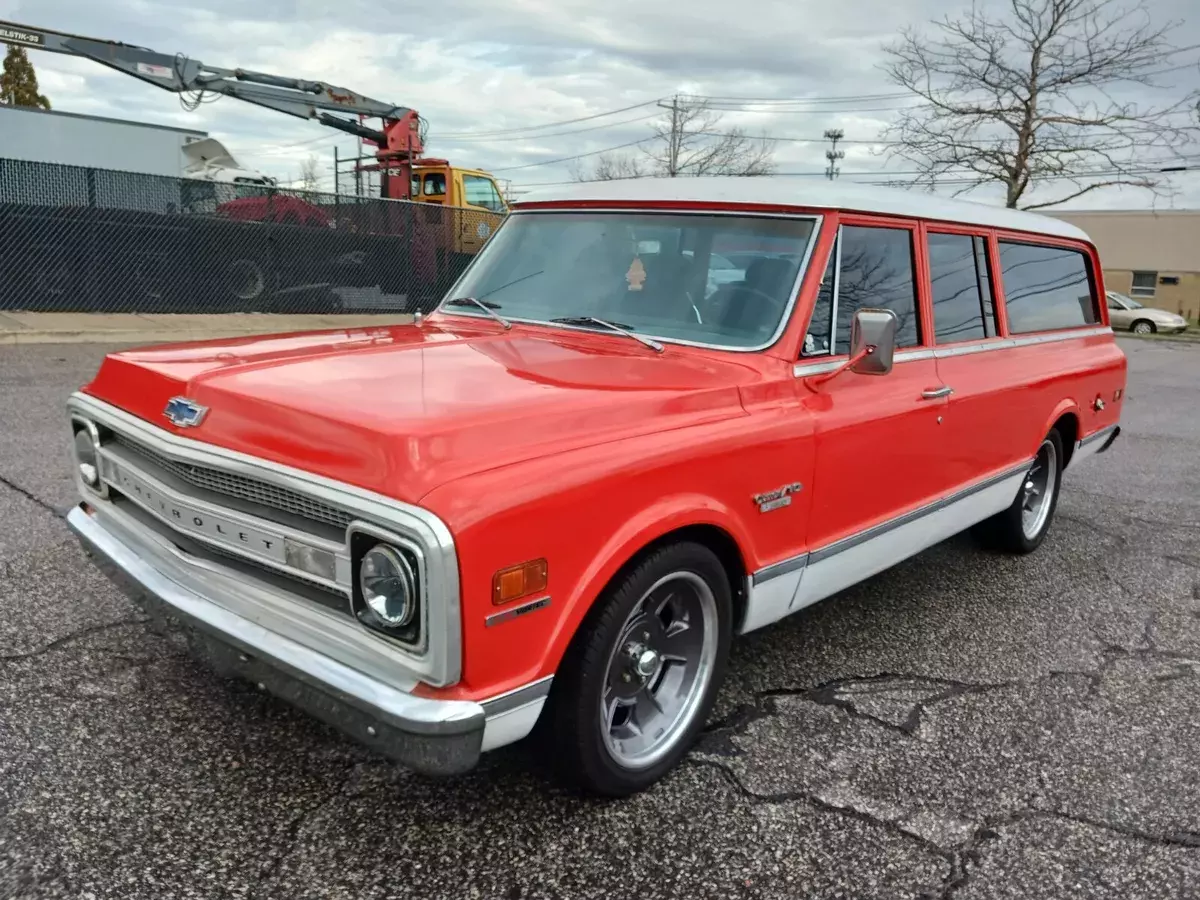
1143, 284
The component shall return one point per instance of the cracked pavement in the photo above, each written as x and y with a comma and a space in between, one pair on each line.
964, 726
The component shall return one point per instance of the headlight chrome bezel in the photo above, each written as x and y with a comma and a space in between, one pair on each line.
87, 430
413, 634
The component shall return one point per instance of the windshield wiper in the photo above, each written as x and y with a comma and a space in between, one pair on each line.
618, 327
487, 307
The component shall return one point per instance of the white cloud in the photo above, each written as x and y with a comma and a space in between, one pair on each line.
480, 65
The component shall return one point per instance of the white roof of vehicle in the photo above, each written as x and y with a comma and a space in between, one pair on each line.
807, 192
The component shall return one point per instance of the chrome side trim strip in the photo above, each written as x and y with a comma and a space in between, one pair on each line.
804, 369
809, 578
814, 556
442, 665
1097, 436
510, 700
855, 564
882, 528
1019, 341
512, 613
791, 564
1094, 443
912, 355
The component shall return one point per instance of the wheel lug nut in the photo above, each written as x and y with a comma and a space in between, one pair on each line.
625, 676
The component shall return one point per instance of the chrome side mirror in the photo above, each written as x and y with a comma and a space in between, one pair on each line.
873, 341
872, 345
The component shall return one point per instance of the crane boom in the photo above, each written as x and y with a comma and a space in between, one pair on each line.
303, 98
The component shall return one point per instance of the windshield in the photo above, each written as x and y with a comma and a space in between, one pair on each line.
1125, 299
663, 275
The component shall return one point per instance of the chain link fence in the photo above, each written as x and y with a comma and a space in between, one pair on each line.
75, 239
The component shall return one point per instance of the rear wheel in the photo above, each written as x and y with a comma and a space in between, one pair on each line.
641, 677
1023, 526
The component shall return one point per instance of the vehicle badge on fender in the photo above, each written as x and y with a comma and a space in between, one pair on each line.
184, 412
778, 498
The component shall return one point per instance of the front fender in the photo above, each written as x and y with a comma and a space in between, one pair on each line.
588, 512
656, 520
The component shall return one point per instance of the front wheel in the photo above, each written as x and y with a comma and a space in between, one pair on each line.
1022, 527
641, 677
1141, 326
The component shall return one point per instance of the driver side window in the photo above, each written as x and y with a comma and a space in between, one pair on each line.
820, 326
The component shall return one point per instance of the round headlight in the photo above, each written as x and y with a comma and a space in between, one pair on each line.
388, 586
85, 458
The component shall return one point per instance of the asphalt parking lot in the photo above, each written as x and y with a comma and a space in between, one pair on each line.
963, 726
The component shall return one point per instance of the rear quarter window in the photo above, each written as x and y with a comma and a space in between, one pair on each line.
1046, 288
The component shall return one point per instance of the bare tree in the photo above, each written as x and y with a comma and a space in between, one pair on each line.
1035, 95
687, 141
611, 167
310, 174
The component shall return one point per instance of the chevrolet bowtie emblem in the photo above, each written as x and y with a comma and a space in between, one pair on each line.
183, 412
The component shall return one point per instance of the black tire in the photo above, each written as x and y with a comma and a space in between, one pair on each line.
573, 729
1149, 327
1006, 532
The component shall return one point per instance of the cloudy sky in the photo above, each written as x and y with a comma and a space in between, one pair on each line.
485, 74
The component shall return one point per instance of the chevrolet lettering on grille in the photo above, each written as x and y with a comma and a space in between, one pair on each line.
189, 519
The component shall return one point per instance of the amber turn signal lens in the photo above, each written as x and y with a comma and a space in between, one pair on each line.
519, 581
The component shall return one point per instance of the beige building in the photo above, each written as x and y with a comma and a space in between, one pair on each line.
1152, 256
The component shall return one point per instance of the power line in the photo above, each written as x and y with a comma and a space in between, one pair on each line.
538, 137
550, 162
502, 131
1162, 166
846, 98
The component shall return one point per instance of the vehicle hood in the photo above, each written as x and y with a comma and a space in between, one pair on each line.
401, 410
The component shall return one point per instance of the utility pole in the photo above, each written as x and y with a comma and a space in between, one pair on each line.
833, 154
358, 169
675, 141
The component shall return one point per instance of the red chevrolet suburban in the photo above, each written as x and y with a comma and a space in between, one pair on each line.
554, 502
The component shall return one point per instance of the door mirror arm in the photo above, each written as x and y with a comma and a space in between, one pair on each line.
817, 380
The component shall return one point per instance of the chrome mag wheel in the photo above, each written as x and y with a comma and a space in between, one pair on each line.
659, 670
1037, 492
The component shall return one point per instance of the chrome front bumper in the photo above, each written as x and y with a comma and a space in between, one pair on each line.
438, 737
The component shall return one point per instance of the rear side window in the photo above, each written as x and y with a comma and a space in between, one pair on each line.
877, 272
962, 293
1045, 288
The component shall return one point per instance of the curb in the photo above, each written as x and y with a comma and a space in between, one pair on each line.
12, 339
155, 331
1161, 338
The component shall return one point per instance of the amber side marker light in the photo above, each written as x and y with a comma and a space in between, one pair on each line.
520, 581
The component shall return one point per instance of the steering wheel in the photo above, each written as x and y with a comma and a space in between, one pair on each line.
775, 303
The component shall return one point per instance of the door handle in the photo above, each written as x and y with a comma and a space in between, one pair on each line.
937, 393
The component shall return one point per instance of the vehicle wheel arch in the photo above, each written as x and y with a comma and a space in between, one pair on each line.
1065, 420
667, 522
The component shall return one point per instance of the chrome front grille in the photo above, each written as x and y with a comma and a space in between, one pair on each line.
293, 535
241, 487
